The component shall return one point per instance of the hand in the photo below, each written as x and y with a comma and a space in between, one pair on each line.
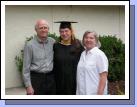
30, 90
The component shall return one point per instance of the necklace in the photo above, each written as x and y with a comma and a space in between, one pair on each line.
68, 42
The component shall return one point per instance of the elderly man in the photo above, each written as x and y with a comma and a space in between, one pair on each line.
38, 62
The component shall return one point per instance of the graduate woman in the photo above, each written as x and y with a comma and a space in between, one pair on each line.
66, 56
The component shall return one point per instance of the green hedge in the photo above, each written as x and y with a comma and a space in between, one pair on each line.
114, 49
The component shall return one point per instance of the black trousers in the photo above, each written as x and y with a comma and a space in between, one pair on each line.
43, 83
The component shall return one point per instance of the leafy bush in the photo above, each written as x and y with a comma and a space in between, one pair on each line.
19, 59
54, 36
114, 49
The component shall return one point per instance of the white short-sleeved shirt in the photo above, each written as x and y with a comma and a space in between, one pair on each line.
90, 65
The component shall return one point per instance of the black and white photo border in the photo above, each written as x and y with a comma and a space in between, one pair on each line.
127, 79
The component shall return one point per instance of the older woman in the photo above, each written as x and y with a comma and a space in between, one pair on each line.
66, 56
92, 68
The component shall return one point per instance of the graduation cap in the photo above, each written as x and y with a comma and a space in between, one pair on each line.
65, 24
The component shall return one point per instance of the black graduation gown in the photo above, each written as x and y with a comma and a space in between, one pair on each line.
65, 67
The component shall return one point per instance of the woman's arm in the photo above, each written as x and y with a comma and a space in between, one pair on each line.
102, 83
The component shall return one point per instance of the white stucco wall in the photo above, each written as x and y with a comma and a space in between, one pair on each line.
20, 20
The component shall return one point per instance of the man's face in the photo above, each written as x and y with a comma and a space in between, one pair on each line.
42, 29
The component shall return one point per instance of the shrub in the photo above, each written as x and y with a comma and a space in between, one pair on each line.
19, 58
54, 36
114, 49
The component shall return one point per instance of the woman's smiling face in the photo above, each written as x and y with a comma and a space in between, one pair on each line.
89, 41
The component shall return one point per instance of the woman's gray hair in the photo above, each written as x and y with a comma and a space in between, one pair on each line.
95, 35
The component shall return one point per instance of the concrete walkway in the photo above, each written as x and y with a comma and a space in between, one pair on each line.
15, 91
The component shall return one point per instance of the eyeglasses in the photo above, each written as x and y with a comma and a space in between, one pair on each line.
44, 27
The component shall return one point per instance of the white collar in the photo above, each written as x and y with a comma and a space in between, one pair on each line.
92, 50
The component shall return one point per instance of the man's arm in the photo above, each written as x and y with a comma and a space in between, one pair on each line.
26, 69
